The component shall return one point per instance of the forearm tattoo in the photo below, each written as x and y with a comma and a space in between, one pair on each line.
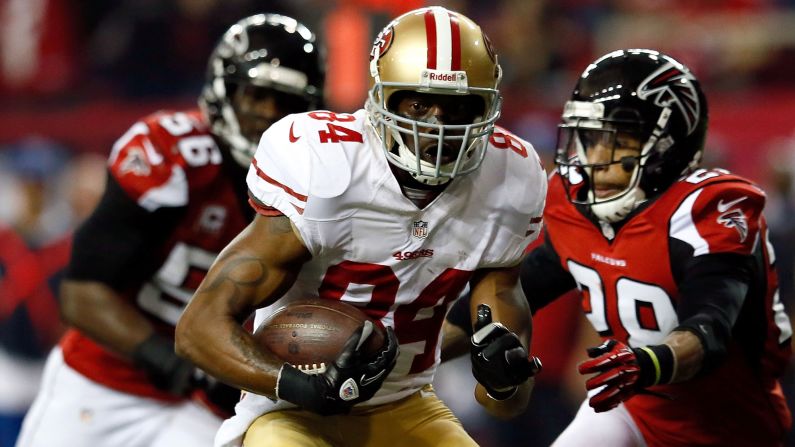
237, 277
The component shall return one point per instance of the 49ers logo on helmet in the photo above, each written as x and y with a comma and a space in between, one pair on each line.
673, 89
382, 43
489, 48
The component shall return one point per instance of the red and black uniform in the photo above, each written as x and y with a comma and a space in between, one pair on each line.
700, 249
173, 201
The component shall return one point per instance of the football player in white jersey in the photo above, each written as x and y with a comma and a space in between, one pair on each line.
395, 208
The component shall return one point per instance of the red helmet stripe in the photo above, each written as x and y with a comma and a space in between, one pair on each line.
430, 36
455, 38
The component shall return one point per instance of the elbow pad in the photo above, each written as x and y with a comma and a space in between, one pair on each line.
714, 334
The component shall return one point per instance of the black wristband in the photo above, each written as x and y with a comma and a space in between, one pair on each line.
154, 352
165, 369
295, 386
656, 364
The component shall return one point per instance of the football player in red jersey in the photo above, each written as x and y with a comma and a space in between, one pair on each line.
175, 196
394, 208
674, 264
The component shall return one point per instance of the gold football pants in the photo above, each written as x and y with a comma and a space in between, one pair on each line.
420, 420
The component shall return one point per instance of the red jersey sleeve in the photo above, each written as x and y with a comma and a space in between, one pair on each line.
722, 217
160, 158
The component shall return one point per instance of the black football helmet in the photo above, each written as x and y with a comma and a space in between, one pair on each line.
647, 95
262, 56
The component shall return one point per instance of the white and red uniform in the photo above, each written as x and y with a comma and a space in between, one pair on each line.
166, 160
374, 248
630, 293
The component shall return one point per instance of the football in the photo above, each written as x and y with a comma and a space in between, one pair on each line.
309, 334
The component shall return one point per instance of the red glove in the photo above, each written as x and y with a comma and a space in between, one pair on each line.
624, 372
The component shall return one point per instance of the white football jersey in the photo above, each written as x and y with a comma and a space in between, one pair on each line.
374, 248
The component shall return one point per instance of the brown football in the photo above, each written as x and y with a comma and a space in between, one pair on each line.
309, 334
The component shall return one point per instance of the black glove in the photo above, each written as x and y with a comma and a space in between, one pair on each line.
499, 361
351, 379
166, 370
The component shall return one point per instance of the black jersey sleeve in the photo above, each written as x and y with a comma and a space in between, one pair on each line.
543, 278
117, 244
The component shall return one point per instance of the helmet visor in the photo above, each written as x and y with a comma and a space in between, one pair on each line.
604, 160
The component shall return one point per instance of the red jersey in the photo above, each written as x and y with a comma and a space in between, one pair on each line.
630, 293
167, 160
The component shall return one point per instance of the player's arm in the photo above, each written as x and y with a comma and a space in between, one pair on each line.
110, 252
499, 346
713, 289
543, 280
457, 329
254, 270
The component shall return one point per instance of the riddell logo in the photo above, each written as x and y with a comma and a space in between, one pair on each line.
445, 77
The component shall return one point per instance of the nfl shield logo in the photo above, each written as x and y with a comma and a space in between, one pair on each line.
419, 229
349, 390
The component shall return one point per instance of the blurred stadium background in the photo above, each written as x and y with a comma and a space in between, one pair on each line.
74, 75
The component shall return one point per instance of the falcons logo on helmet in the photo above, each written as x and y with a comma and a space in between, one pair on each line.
234, 42
673, 87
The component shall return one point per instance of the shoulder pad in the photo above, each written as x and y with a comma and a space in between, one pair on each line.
292, 163
524, 172
158, 159
720, 216
329, 166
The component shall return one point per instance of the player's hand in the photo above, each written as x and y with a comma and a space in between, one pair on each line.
352, 378
618, 371
499, 360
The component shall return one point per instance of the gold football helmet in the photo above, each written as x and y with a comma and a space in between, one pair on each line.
437, 51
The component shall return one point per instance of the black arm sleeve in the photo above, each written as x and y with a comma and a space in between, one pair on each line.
543, 278
713, 289
117, 243
459, 314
